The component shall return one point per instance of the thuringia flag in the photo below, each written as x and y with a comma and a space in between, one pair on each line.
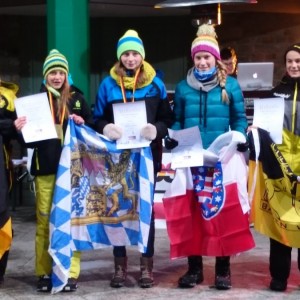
207, 208
103, 197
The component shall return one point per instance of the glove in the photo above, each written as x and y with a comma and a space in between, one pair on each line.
242, 147
112, 131
149, 132
170, 143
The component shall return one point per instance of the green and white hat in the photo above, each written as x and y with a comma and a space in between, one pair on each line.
130, 41
55, 61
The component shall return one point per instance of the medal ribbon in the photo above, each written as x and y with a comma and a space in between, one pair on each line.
134, 87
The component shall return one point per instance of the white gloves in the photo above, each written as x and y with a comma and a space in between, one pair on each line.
149, 132
112, 131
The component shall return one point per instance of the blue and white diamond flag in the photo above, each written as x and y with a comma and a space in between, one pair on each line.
103, 197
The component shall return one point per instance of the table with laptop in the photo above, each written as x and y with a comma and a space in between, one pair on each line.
256, 81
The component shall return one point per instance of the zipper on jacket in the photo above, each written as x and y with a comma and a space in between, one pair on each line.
200, 108
205, 109
294, 113
36, 159
294, 117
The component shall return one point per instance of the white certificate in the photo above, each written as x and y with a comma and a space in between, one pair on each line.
268, 115
131, 117
39, 124
189, 152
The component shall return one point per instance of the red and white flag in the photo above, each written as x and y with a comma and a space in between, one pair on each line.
207, 209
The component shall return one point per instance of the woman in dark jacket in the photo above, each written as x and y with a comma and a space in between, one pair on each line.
289, 90
65, 102
7, 132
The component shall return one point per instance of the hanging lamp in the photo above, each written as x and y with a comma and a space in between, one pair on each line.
182, 3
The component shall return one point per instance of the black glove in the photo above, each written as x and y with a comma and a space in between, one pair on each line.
170, 143
242, 147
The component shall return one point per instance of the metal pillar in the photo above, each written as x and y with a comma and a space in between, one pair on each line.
68, 32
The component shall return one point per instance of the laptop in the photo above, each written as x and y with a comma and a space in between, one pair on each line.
255, 75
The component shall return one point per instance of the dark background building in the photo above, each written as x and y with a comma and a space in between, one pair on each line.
258, 32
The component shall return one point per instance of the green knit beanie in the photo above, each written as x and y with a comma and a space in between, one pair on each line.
55, 61
130, 41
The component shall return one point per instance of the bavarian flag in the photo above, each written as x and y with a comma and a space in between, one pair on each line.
103, 197
273, 190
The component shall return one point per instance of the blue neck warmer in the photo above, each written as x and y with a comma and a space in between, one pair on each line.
204, 75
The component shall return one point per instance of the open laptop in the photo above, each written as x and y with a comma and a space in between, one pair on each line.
255, 75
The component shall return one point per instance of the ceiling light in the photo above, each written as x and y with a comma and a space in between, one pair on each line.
182, 3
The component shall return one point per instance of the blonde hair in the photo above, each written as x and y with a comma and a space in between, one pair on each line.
222, 75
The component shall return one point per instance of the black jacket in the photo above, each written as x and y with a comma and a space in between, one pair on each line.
7, 132
47, 153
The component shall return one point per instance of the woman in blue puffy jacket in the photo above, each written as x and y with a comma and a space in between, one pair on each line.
214, 102
133, 79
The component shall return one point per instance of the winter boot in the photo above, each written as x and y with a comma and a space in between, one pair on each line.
222, 271
146, 279
71, 285
44, 284
194, 274
278, 285
119, 277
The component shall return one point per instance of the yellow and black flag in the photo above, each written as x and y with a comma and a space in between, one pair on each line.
274, 191
7, 132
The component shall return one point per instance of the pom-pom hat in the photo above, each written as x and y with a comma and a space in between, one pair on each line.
130, 41
55, 61
206, 41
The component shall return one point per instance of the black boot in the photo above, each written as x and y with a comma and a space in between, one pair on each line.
44, 284
71, 285
278, 285
222, 270
280, 265
194, 275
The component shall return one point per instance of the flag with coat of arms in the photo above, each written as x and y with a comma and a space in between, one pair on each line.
103, 197
207, 207
274, 189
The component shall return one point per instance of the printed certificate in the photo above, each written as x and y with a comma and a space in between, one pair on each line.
37, 111
189, 152
131, 117
268, 115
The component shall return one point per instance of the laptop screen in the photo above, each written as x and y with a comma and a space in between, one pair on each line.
255, 75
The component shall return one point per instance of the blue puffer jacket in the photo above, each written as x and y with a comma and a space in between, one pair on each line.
205, 109
158, 109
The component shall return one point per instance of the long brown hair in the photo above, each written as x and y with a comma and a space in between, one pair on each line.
120, 70
65, 96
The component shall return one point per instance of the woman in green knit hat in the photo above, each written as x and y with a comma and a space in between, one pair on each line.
133, 79
65, 101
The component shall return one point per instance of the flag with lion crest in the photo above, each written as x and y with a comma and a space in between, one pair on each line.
274, 191
103, 197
